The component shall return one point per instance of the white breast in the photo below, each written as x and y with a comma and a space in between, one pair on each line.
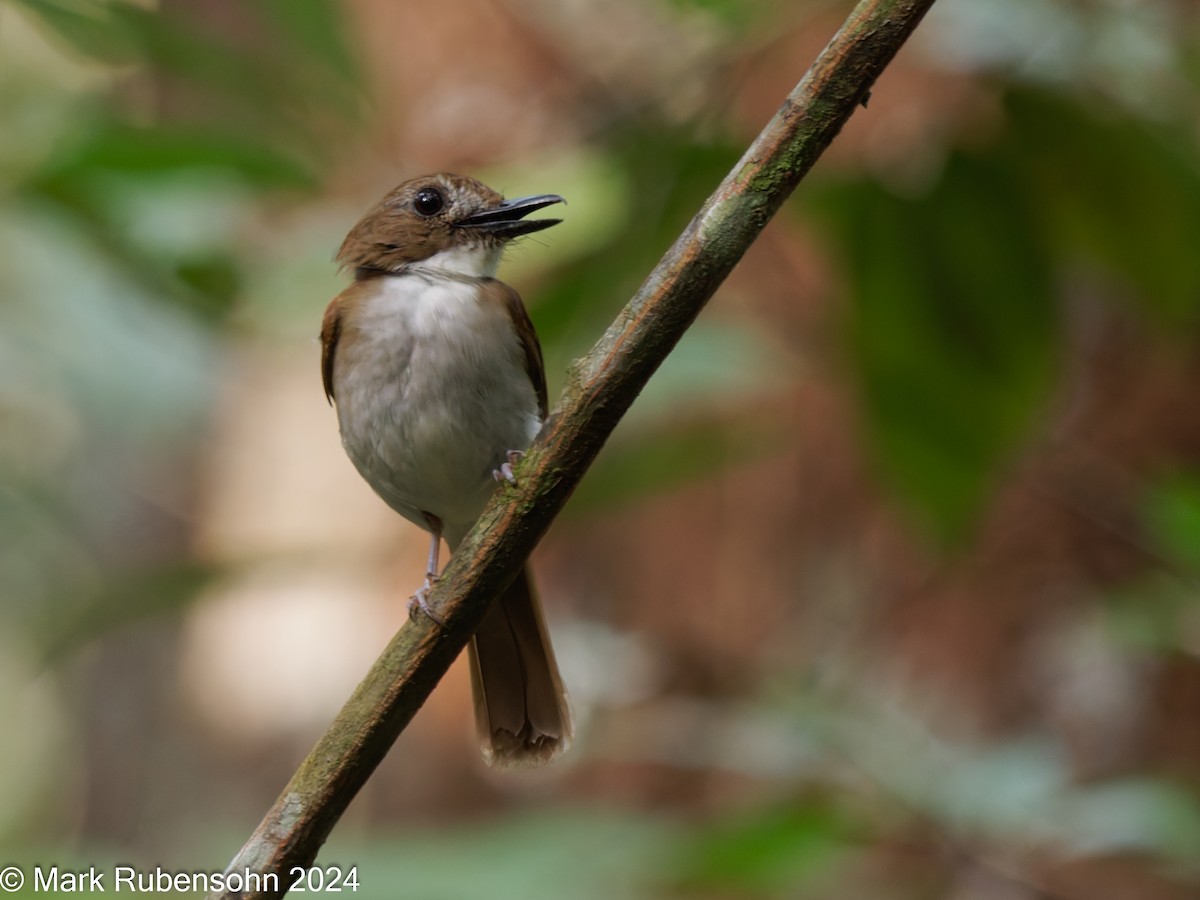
432, 391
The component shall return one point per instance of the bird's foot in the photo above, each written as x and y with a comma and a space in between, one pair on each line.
420, 601
505, 472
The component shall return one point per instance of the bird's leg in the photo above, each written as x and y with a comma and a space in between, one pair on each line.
505, 472
420, 600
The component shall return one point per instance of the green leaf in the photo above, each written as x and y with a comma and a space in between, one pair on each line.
953, 330
215, 281
88, 27
739, 15
668, 172
265, 79
775, 850
1156, 613
1116, 192
1172, 515
692, 420
97, 178
112, 146
318, 30
641, 462
582, 854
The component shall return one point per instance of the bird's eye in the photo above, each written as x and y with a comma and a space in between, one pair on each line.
429, 201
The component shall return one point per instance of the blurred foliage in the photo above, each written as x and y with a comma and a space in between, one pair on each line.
216, 114
1172, 513
772, 852
671, 435
739, 16
130, 217
957, 325
665, 171
586, 854
136, 162
1158, 613
140, 145
953, 329
691, 421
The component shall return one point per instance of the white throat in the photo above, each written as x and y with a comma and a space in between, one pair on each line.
464, 261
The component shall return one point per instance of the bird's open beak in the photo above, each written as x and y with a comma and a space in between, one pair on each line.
507, 219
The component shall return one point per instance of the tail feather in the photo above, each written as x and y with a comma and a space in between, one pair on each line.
521, 707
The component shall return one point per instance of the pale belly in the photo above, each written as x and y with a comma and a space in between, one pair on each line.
431, 394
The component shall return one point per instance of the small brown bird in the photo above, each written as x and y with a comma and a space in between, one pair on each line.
437, 376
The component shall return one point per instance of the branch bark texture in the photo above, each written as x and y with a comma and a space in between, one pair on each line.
600, 389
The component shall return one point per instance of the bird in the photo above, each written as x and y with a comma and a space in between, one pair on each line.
436, 374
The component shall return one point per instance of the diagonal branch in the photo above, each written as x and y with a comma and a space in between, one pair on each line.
600, 389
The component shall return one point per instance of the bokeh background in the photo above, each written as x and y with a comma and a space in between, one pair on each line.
888, 585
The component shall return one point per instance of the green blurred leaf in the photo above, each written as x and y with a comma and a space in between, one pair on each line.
318, 30
216, 280
1159, 611
693, 418
735, 14
88, 27
641, 462
666, 440
588, 854
119, 600
1117, 192
1143, 814
233, 79
668, 173
953, 330
715, 360
1172, 514
277, 79
1157, 614
772, 852
100, 179
113, 146
955, 326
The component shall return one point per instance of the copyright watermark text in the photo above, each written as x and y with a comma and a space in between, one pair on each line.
130, 880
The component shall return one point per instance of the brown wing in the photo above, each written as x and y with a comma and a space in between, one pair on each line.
331, 331
499, 292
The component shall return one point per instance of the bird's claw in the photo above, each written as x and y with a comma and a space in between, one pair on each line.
505, 472
420, 601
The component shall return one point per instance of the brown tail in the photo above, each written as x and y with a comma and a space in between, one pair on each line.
520, 705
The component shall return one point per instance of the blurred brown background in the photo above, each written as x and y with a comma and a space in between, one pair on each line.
887, 586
